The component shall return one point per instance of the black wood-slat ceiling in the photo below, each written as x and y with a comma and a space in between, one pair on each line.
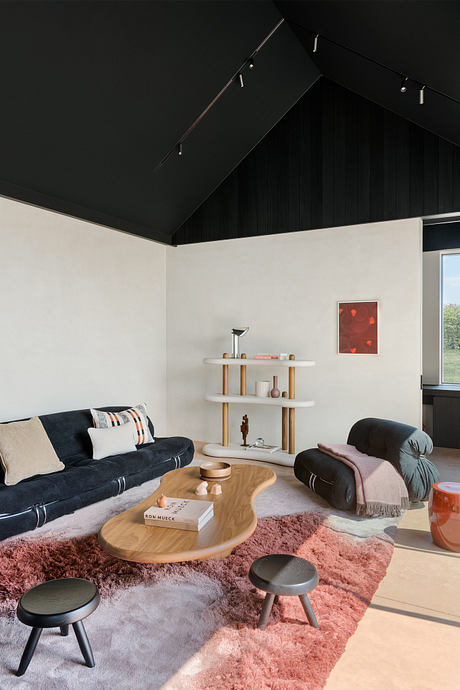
95, 94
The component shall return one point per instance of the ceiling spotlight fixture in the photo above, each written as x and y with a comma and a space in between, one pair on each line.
251, 63
179, 149
403, 87
315, 43
240, 77
421, 95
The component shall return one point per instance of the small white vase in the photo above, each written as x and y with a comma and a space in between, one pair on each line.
263, 389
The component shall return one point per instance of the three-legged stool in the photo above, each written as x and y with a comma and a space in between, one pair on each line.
281, 574
57, 603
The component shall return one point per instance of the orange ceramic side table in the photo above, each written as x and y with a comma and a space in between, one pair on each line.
444, 511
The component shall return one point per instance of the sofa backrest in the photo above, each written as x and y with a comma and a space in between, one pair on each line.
68, 432
403, 445
389, 440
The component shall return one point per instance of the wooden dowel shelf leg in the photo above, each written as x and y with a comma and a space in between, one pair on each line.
284, 425
291, 409
225, 405
243, 376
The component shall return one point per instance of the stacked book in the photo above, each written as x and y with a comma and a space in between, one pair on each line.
180, 513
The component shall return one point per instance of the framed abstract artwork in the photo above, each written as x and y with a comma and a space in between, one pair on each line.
358, 327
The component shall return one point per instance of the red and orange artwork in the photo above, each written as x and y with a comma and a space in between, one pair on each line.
358, 328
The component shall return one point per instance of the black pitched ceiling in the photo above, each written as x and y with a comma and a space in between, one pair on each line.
94, 94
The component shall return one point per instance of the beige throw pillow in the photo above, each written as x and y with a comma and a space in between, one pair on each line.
25, 450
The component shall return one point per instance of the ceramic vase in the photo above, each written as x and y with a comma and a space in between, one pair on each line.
275, 392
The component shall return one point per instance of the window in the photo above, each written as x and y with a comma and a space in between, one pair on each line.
450, 291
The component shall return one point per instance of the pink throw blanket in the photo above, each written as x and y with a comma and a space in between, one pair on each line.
380, 489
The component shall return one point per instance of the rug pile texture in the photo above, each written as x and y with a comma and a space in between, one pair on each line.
193, 625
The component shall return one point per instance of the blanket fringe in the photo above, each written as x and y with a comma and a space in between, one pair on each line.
382, 509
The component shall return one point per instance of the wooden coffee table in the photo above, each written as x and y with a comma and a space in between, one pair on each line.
125, 536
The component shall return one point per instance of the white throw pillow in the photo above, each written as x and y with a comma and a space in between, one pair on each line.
113, 441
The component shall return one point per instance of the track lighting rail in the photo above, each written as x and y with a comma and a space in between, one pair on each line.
422, 87
237, 76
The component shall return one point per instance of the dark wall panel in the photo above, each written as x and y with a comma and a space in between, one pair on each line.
334, 159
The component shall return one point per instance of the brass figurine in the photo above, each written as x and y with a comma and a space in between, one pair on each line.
244, 428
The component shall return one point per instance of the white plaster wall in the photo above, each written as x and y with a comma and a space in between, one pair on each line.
285, 287
82, 316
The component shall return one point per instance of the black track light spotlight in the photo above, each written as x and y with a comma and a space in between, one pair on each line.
251, 63
315, 43
403, 87
421, 95
179, 149
240, 77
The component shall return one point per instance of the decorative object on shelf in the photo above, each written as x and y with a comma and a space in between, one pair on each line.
162, 501
269, 355
215, 471
244, 428
358, 327
262, 389
259, 444
216, 490
237, 333
275, 391
202, 489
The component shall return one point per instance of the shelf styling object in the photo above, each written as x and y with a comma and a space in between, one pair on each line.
237, 333
202, 489
215, 471
287, 402
262, 389
275, 391
162, 501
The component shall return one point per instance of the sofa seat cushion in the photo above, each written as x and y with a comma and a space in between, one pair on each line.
87, 474
329, 478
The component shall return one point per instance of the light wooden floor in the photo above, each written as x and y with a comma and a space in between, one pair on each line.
409, 638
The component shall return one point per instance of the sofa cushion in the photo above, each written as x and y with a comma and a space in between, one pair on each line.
136, 415
327, 477
25, 451
404, 446
113, 440
85, 474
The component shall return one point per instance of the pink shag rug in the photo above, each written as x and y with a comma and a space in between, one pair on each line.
289, 654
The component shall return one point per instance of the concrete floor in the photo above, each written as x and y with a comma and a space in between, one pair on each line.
409, 638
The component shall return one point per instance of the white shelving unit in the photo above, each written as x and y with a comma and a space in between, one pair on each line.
288, 403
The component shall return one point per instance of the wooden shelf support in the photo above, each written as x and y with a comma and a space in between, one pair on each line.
225, 404
243, 372
284, 425
291, 409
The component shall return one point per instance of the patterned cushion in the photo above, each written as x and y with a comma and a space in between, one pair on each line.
138, 415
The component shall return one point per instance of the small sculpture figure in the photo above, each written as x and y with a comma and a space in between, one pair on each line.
202, 489
244, 428
162, 501
216, 490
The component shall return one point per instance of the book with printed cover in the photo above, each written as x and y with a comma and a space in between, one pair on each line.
180, 513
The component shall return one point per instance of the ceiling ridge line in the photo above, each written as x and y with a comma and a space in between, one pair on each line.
398, 73
211, 104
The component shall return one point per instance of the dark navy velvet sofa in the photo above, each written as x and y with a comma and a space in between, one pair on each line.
32, 502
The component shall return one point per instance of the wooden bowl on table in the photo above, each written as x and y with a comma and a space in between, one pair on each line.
215, 471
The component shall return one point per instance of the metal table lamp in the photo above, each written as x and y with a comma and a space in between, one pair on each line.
237, 333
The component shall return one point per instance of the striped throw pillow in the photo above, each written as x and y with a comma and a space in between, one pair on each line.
138, 415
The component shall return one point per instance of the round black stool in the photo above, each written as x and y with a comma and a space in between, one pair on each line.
281, 574
57, 603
